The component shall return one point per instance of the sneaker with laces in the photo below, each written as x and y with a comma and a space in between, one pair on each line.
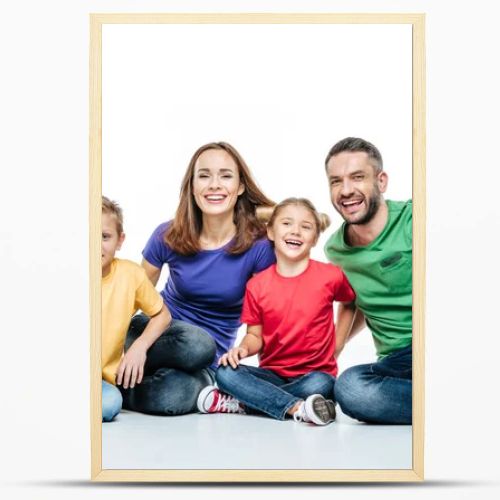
317, 410
211, 400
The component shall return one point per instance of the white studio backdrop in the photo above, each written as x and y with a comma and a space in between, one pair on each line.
281, 94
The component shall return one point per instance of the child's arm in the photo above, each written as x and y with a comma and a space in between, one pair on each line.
131, 369
251, 344
344, 329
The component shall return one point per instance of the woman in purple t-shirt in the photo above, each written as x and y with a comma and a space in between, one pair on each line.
212, 247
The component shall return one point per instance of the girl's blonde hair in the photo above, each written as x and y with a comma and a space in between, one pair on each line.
269, 214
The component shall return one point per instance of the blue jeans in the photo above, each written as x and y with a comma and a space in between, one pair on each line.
176, 369
266, 392
111, 401
378, 392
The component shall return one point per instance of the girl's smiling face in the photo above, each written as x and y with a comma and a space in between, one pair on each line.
294, 232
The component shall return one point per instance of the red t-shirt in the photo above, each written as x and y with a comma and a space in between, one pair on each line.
296, 315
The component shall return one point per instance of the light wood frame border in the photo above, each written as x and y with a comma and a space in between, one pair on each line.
419, 248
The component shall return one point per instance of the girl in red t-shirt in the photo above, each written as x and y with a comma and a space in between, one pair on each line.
288, 309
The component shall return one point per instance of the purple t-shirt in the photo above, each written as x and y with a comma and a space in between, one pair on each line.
207, 289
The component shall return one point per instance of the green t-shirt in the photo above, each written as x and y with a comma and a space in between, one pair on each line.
381, 275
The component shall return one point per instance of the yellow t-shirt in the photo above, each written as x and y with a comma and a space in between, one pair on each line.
124, 290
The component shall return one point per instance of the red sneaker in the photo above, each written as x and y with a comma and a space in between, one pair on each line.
211, 400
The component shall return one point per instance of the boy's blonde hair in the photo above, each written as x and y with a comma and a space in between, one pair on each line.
269, 214
112, 207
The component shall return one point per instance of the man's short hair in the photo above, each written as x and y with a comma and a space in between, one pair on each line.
112, 208
355, 145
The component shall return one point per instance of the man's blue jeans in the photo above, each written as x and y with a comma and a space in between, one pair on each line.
266, 392
176, 369
378, 392
111, 401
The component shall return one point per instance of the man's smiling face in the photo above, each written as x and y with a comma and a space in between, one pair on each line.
355, 186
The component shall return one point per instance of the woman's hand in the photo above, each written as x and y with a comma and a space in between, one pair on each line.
233, 356
131, 369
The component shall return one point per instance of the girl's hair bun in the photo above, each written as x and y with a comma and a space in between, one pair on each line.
264, 213
268, 214
324, 221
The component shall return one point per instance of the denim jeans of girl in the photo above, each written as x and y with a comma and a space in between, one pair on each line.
176, 369
378, 392
263, 391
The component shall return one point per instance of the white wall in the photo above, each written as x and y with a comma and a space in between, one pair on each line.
44, 228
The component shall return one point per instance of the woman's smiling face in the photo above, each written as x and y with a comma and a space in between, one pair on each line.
216, 182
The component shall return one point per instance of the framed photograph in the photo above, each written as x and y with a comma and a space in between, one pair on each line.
281, 89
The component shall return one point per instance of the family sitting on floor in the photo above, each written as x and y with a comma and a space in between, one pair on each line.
236, 257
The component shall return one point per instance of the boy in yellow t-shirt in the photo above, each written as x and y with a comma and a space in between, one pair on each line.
125, 289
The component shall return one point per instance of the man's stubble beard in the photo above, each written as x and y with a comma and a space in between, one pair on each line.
373, 206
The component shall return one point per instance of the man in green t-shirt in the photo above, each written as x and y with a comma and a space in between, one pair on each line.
374, 248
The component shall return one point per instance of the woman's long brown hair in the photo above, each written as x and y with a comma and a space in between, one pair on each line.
183, 235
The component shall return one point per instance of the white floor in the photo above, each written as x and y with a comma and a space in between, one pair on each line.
136, 441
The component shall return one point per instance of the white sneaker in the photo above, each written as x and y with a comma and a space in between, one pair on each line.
211, 400
316, 409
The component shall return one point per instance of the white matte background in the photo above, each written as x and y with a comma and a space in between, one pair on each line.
44, 250
281, 94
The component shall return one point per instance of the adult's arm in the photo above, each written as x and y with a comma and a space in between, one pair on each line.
152, 272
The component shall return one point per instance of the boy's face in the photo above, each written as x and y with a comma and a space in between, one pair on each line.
111, 242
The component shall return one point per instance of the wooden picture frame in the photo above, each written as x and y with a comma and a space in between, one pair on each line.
416, 473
